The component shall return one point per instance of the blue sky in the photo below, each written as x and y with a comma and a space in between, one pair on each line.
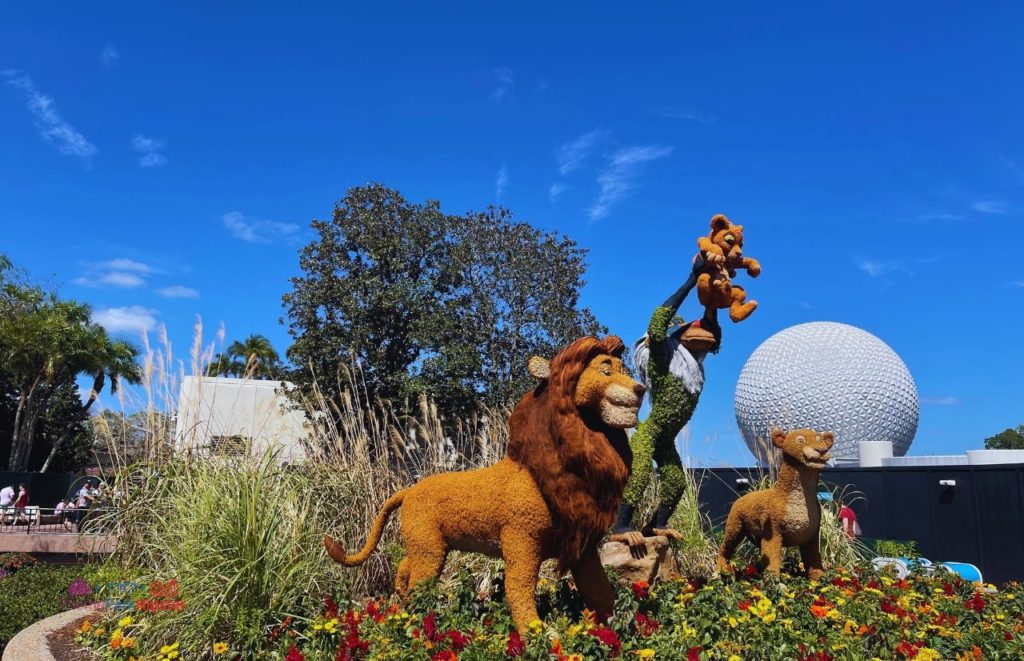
163, 162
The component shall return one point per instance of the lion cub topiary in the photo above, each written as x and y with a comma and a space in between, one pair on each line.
722, 251
788, 514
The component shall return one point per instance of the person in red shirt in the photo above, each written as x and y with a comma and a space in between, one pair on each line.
848, 520
21, 504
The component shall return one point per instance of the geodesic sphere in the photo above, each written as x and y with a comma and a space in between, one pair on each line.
827, 376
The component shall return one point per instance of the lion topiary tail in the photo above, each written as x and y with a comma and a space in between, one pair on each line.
338, 554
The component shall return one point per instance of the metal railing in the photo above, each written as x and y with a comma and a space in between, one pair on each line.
33, 519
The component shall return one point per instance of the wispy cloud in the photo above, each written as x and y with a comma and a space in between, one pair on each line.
121, 273
619, 177
150, 150
254, 230
572, 155
51, 125
990, 206
501, 183
947, 400
125, 264
877, 268
688, 114
178, 291
1017, 283
132, 318
556, 190
938, 217
109, 56
505, 86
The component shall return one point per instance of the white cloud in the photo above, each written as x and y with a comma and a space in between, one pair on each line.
990, 206
939, 217
619, 177
947, 400
689, 115
501, 183
876, 268
178, 291
556, 191
506, 82
133, 318
571, 155
51, 125
120, 279
150, 150
255, 230
109, 56
1018, 283
125, 264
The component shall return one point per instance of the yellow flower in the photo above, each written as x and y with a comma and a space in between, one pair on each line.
220, 648
125, 621
735, 657
647, 653
331, 625
127, 643
573, 630
850, 627
170, 651
927, 654
688, 631
732, 622
536, 626
86, 626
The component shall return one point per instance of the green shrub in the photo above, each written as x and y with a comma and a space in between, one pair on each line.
35, 592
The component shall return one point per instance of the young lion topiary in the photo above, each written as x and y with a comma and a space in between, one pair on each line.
788, 514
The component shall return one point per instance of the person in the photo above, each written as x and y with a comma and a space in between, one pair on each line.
672, 367
20, 504
848, 520
6, 502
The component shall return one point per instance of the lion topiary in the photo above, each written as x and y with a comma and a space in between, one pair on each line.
553, 495
722, 250
788, 514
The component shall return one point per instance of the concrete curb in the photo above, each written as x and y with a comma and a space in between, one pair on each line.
30, 643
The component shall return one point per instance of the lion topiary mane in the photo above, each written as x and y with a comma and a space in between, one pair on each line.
579, 463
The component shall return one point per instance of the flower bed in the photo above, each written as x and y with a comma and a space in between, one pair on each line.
848, 615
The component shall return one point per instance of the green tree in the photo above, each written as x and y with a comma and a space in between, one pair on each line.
1008, 439
224, 365
45, 344
257, 357
421, 301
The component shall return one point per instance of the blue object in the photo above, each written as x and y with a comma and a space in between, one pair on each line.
966, 570
825, 496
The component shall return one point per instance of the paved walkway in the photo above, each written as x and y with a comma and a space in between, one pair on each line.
62, 543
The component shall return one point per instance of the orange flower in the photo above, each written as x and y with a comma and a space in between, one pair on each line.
820, 612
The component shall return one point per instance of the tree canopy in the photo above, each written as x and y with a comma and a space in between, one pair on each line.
46, 343
420, 301
1008, 439
254, 357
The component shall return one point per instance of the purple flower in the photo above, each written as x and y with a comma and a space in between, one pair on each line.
79, 588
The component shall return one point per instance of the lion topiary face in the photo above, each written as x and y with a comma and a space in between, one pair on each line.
727, 236
606, 387
805, 446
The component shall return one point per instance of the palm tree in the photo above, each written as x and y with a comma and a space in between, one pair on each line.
258, 356
224, 365
95, 354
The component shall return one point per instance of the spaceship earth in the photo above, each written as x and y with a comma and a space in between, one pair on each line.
827, 376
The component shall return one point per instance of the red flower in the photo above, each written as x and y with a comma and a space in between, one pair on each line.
516, 647
751, 571
445, 655
373, 611
744, 605
294, 654
459, 640
609, 638
888, 607
948, 589
640, 589
903, 584
330, 608
907, 650
430, 629
693, 654
645, 625
976, 603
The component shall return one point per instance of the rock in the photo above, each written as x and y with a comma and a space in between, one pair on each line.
642, 563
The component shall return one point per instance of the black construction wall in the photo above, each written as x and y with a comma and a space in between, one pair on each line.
980, 520
44, 489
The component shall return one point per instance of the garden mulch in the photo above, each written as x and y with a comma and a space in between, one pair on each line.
63, 646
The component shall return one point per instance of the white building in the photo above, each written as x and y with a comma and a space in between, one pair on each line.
220, 415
